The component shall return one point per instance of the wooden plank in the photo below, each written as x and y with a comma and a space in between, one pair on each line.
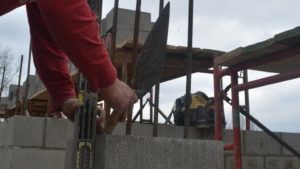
280, 42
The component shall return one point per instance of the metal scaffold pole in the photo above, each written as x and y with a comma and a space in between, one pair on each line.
114, 31
189, 71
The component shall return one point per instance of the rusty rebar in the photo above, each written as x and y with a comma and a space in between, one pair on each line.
157, 88
18, 90
134, 57
189, 71
114, 31
2, 82
25, 105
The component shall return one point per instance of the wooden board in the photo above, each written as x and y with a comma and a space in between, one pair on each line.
281, 42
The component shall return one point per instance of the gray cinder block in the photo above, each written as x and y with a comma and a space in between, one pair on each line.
115, 152
31, 158
58, 131
293, 140
23, 131
282, 163
259, 143
250, 162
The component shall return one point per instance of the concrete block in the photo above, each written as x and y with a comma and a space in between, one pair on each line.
282, 163
31, 158
28, 131
259, 143
293, 140
165, 131
114, 152
58, 131
7, 136
249, 162
5, 158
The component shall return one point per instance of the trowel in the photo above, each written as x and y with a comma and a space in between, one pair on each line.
150, 63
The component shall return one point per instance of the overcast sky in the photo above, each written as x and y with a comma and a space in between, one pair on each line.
220, 25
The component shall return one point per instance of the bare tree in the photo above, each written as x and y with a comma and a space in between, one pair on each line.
6, 58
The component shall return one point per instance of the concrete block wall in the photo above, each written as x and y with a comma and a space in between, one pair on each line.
34, 142
260, 151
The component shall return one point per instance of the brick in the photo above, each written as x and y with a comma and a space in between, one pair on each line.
114, 152
250, 162
282, 163
32, 158
58, 131
28, 131
259, 143
293, 140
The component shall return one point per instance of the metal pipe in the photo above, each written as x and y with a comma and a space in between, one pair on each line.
18, 90
2, 82
236, 124
247, 104
267, 81
228, 147
114, 31
134, 58
100, 15
157, 87
189, 70
217, 102
27, 82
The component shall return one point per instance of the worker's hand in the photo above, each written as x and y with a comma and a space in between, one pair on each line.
119, 96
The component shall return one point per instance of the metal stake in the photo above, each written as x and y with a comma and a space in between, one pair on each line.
189, 70
18, 90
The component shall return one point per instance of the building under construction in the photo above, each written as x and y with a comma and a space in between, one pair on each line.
32, 137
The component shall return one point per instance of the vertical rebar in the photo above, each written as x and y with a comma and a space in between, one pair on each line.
134, 57
27, 82
157, 87
189, 70
100, 15
247, 104
141, 110
2, 82
114, 31
151, 108
18, 90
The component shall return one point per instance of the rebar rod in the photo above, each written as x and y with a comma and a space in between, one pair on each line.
114, 31
2, 82
189, 70
157, 87
27, 82
18, 90
134, 58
